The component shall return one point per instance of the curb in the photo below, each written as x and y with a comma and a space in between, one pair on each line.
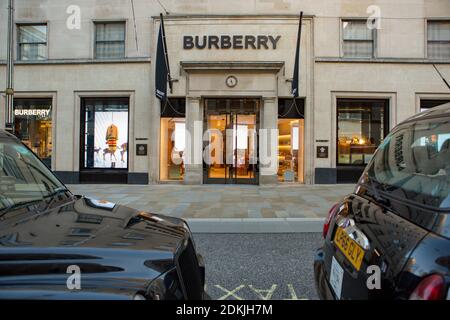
261, 225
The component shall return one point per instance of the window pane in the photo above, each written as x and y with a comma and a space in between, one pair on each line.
357, 30
290, 150
362, 49
360, 130
106, 133
439, 30
33, 34
428, 104
439, 50
173, 136
111, 32
33, 126
110, 50
33, 52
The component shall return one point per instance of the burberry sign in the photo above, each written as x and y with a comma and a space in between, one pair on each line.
257, 42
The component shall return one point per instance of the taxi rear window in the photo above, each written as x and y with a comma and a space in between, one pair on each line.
414, 163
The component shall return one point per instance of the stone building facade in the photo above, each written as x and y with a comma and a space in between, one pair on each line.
84, 66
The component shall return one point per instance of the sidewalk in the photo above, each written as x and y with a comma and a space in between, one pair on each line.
229, 208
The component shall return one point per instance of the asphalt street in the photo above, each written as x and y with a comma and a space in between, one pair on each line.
259, 266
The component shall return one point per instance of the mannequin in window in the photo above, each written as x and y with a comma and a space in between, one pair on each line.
112, 135
124, 149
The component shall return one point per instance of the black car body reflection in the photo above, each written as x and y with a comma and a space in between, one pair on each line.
398, 217
122, 253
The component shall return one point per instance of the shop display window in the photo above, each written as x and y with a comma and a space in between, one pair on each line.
172, 139
33, 126
361, 128
291, 126
105, 133
290, 150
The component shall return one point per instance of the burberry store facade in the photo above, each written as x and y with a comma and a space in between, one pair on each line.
234, 79
85, 97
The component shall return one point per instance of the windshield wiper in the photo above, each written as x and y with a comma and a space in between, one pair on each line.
56, 192
19, 205
376, 193
53, 196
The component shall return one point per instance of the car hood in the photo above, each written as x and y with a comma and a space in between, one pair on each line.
118, 250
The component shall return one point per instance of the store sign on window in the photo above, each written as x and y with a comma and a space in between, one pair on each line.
41, 113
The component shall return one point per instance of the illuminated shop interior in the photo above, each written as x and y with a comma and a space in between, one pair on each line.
33, 126
231, 152
172, 140
291, 149
241, 145
361, 128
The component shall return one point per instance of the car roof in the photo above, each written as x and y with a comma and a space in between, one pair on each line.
435, 112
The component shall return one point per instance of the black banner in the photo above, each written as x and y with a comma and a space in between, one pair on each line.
162, 66
295, 78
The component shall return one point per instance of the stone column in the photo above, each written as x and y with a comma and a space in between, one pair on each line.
268, 141
193, 160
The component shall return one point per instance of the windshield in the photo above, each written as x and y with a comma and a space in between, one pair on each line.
23, 178
414, 163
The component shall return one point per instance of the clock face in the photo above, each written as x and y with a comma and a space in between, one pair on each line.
231, 81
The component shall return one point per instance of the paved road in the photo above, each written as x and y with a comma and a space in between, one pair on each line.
259, 266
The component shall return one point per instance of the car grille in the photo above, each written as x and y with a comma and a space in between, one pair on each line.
189, 273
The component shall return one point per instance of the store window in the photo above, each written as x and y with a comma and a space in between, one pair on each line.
361, 127
291, 126
358, 39
431, 103
32, 42
33, 126
173, 139
110, 40
438, 39
105, 133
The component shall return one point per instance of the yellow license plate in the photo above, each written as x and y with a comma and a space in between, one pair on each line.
352, 251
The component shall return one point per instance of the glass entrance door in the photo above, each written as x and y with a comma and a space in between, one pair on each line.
231, 150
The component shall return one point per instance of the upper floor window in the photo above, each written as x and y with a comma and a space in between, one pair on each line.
439, 39
109, 40
358, 39
32, 42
